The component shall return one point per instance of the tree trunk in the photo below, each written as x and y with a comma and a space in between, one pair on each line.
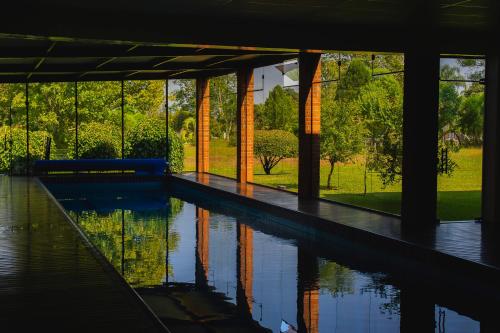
329, 181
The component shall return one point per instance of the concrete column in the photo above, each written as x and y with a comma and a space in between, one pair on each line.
202, 246
244, 293
202, 124
491, 144
420, 137
309, 124
245, 121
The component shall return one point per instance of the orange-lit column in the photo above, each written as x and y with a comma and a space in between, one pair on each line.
202, 243
244, 115
202, 124
308, 292
245, 268
309, 123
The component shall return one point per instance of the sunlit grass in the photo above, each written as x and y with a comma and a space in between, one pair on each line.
459, 196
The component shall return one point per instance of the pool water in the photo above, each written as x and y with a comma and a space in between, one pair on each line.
206, 264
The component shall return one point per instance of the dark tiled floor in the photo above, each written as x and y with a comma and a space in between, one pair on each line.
463, 240
49, 279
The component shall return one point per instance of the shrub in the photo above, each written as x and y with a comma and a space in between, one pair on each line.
96, 140
146, 139
18, 157
273, 146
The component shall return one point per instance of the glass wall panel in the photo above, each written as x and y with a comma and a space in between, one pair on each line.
99, 120
182, 117
52, 120
460, 147
276, 125
223, 125
144, 114
362, 130
13, 129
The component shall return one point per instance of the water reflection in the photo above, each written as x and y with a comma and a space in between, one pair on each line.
213, 265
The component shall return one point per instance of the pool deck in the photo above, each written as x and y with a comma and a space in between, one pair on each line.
459, 244
51, 278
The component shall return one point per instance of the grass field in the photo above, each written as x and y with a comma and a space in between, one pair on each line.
459, 196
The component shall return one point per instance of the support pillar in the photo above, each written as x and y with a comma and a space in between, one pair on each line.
420, 137
309, 124
202, 124
491, 145
245, 126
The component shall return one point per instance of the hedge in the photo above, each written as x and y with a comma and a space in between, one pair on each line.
18, 148
146, 139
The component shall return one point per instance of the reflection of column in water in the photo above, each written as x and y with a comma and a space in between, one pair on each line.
202, 242
417, 312
244, 261
307, 292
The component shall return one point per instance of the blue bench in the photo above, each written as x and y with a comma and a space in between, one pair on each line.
147, 166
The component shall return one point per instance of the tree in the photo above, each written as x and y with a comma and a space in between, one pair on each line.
357, 75
471, 117
223, 106
52, 108
381, 104
280, 111
341, 135
274, 145
183, 97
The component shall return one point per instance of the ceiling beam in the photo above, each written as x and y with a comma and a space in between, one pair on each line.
72, 50
109, 65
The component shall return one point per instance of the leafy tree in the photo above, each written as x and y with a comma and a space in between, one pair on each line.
280, 111
223, 106
188, 130
341, 135
52, 108
357, 75
184, 96
13, 149
177, 119
471, 117
145, 97
274, 145
381, 104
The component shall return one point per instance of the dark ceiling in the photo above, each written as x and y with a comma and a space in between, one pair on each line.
52, 60
62, 40
456, 25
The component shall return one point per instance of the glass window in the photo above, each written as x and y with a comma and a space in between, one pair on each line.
182, 117
361, 136
460, 141
223, 126
276, 110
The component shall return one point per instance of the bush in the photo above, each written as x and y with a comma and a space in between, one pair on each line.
146, 139
96, 140
18, 157
273, 146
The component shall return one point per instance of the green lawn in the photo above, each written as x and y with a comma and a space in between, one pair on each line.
459, 196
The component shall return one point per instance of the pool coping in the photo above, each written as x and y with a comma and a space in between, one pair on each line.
101, 259
411, 249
